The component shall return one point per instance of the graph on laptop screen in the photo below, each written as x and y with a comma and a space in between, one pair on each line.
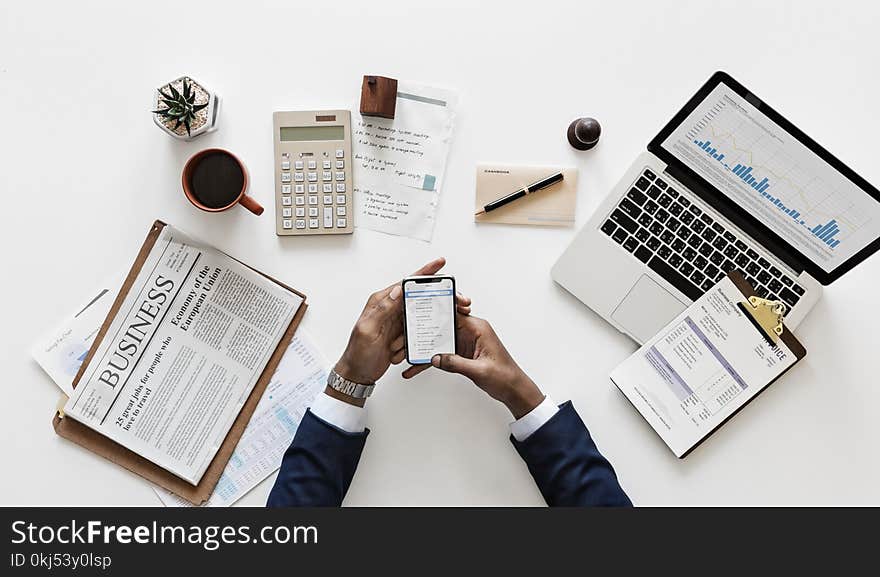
771, 174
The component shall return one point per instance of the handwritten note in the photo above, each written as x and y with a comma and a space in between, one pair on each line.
399, 163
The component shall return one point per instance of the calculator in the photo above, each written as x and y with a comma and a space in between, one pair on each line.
313, 192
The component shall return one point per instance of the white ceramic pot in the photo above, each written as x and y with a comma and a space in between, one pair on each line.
206, 118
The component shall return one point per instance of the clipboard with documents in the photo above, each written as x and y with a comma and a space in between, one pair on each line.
708, 363
170, 382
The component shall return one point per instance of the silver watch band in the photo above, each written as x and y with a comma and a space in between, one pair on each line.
346, 387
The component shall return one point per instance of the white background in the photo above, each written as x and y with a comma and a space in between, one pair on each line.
84, 172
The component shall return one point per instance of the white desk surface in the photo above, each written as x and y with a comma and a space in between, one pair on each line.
85, 172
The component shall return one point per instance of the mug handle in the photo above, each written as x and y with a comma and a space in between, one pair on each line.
252, 205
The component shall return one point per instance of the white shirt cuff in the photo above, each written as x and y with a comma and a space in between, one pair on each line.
523, 427
349, 418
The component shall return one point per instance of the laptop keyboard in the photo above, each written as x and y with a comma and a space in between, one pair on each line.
686, 246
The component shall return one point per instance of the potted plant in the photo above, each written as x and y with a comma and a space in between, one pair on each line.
185, 109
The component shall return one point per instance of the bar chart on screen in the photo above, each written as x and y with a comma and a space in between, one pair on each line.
763, 168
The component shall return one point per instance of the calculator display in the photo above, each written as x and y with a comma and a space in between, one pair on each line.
311, 133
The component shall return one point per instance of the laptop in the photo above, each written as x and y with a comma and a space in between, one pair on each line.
727, 184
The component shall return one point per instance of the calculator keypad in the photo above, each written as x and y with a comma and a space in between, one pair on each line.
313, 178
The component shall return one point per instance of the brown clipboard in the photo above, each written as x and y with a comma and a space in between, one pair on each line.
112, 451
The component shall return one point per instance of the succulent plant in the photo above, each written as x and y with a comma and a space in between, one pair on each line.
180, 106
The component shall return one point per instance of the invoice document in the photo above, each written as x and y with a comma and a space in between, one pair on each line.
701, 368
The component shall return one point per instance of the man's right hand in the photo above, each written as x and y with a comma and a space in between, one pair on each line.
483, 359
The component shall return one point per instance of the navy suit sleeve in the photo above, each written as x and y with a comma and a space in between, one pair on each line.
567, 466
318, 467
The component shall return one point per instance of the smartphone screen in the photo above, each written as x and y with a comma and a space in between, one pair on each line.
429, 311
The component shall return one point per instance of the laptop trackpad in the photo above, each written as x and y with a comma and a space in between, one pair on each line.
646, 309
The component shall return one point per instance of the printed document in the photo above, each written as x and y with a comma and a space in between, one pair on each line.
399, 163
701, 368
182, 355
61, 350
300, 376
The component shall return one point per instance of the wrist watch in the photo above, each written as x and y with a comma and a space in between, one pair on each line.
350, 388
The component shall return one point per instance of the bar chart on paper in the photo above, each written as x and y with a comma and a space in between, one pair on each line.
772, 175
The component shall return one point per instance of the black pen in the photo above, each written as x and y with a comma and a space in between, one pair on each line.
534, 187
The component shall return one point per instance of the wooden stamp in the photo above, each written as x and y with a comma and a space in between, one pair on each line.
378, 96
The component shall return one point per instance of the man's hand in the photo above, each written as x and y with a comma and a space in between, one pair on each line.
377, 339
483, 359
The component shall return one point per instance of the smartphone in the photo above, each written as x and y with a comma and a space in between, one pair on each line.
428, 317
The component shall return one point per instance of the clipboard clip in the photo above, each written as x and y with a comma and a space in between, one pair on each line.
766, 315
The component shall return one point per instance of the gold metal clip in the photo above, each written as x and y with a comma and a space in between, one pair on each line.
766, 315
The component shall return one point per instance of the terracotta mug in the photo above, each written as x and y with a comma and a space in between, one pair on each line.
215, 180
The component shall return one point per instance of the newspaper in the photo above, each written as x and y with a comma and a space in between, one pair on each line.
300, 376
182, 354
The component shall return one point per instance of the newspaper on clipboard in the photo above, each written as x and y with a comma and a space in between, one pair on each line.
180, 363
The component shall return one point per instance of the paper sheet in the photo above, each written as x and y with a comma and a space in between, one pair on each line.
399, 163
61, 350
301, 374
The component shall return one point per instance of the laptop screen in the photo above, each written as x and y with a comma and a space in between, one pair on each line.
771, 174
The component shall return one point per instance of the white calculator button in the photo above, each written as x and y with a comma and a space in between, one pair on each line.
300, 223
340, 153
300, 211
313, 211
328, 187
285, 201
313, 177
286, 223
340, 164
299, 188
285, 177
328, 199
340, 223
298, 176
298, 165
313, 223
285, 189
286, 212
313, 165
300, 200
340, 187
340, 211
313, 188
327, 164
285, 165
328, 217
340, 176
313, 200
327, 175
340, 199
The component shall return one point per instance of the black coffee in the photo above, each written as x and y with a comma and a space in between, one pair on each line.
217, 180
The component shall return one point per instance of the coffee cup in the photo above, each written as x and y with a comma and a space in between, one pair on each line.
215, 180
